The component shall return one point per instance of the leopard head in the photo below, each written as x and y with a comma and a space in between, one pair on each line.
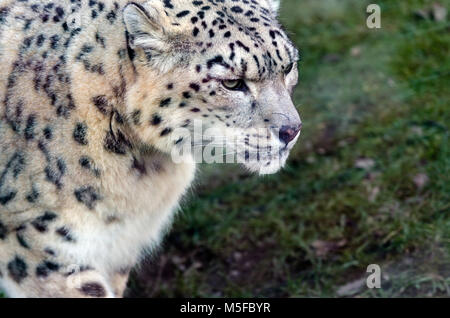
214, 72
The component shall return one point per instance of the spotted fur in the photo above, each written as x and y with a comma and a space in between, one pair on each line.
93, 94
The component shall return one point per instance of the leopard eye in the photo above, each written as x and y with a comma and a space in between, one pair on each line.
234, 85
288, 68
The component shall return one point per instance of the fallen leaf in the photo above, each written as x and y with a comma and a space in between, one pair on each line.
421, 180
323, 248
355, 51
439, 12
364, 163
237, 256
235, 273
197, 265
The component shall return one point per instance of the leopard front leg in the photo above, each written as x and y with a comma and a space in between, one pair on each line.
87, 283
44, 265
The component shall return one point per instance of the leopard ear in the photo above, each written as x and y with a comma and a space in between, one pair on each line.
275, 5
144, 28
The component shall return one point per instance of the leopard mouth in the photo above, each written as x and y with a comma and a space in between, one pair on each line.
266, 163
267, 160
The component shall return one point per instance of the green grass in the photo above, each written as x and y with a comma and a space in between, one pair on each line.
379, 95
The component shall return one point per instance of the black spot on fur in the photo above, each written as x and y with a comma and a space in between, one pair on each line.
237, 9
117, 145
55, 171
5, 199
168, 4
54, 40
195, 31
165, 102
45, 268
182, 13
40, 40
100, 40
59, 12
65, 234
272, 34
3, 231
21, 239
194, 86
79, 134
136, 117
29, 129
14, 167
156, 120
3, 14
87, 195
18, 165
88, 164
111, 16
17, 269
41, 222
49, 251
48, 133
101, 102
93, 289
166, 131
14, 115
242, 45
217, 60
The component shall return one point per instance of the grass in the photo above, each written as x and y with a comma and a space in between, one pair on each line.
367, 184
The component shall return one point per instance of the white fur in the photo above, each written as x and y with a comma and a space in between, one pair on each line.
275, 5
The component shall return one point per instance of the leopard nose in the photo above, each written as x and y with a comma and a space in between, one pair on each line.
288, 133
